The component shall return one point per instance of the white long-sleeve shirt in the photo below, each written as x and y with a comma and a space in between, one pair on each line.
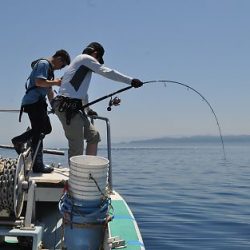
76, 79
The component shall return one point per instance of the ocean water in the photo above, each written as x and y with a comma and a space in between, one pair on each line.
185, 196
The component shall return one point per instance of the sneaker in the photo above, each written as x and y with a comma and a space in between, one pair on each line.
18, 146
44, 169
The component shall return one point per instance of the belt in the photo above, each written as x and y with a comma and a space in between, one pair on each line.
71, 106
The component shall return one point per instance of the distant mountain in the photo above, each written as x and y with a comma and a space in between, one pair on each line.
196, 139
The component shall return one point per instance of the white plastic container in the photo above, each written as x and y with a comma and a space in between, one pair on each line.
82, 169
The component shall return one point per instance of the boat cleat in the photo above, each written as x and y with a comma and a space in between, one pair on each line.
116, 243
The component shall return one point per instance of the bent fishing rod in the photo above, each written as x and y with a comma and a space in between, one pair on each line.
112, 102
165, 82
116, 102
84, 106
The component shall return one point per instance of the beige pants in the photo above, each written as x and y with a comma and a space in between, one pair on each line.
80, 128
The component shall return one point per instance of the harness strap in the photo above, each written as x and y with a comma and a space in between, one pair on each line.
20, 113
34, 65
70, 106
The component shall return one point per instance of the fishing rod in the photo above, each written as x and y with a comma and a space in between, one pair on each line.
116, 101
113, 102
10, 110
46, 151
203, 98
165, 82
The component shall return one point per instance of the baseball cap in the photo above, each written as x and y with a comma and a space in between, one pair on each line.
95, 46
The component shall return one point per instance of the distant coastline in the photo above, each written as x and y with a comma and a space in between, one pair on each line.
195, 139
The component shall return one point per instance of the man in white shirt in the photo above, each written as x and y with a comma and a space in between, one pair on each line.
73, 93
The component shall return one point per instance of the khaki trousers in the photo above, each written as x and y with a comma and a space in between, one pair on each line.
80, 128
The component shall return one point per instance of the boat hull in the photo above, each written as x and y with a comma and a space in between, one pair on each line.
120, 232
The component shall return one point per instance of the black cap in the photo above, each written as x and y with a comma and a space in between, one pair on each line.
94, 46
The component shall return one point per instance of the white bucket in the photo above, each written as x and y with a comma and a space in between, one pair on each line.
81, 186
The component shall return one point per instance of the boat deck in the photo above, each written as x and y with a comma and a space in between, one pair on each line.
57, 177
124, 226
50, 186
121, 232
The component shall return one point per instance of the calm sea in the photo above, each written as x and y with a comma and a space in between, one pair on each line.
185, 196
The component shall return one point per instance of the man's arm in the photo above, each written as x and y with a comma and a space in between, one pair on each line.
44, 83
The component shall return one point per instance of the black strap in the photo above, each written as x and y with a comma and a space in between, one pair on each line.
70, 106
21, 113
34, 65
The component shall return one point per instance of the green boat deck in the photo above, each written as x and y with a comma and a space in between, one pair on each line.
124, 225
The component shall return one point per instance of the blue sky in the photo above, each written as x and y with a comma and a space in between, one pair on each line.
202, 43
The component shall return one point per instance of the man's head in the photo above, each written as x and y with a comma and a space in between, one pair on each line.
95, 49
60, 59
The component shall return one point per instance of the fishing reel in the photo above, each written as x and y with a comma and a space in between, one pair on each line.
113, 102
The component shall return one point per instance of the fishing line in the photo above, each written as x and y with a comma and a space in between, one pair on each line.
167, 81
203, 98
152, 81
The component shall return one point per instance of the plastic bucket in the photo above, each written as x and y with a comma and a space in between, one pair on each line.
83, 238
87, 175
85, 226
89, 188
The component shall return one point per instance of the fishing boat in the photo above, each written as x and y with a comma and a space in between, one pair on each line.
71, 208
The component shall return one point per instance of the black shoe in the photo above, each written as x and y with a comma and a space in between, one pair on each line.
18, 146
44, 169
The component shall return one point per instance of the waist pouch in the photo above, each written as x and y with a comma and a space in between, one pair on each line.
70, 106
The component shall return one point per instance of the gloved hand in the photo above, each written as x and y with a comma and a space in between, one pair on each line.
136, 83
91, 112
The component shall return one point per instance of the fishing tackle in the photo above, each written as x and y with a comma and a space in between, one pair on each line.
106, 96
114, 102
165, 82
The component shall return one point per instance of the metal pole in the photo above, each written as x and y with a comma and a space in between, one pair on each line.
110, 179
